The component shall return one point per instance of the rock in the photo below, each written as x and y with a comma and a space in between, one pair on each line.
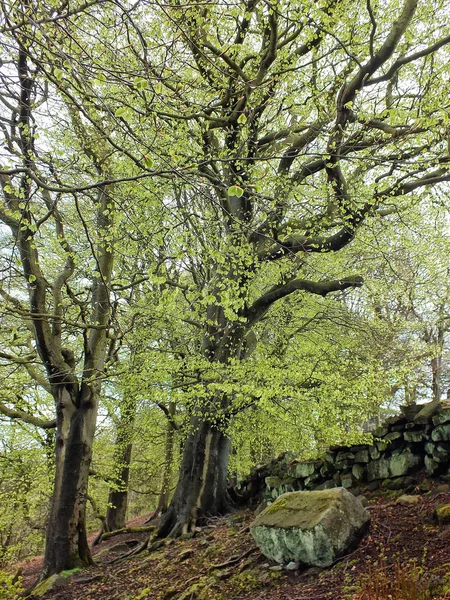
273, 482
326, 485
292, 566
431, 465
394, 435
373, 485
358, 472
313, 528
440, 455
380, 432
395, 420
406, 500
427, 412
403, 463
395, 466
347, 481
53, 582
444, 488
304, 469
413, 436
443, 416
409, 411
400, 483
374, 453
378, 469
362, 456
441, 433
443, 514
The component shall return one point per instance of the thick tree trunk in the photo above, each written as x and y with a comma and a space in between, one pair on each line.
66, 543
202, 486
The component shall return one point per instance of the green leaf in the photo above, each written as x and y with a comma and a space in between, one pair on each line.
242, 119
235, 190
140, 83
58, 73
121, 112
148, 162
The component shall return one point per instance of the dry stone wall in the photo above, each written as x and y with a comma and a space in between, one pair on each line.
417, 439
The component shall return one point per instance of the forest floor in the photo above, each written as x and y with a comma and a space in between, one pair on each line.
221, 562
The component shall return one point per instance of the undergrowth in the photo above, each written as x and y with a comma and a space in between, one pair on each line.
399, 582
10, 586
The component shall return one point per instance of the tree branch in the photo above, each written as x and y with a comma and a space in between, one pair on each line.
26, 417
320, 288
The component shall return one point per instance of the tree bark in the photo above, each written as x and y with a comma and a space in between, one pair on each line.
163, 500
202, 486
66, 542
118, 494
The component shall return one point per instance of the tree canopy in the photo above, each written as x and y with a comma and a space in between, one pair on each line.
213, 217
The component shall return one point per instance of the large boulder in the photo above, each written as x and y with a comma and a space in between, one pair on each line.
312, 528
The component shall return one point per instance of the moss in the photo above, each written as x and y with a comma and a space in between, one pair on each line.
70, 572
205, 589
143, 594
276, 506
246, 580
443, 513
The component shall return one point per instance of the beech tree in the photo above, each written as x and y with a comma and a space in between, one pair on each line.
66, 272
300, 125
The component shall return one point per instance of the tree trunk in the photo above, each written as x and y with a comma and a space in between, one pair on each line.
163, 501
118, 494
436, 369
202, 486
66, 543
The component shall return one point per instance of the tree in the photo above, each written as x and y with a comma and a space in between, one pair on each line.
409, 295
68, 319
301, 126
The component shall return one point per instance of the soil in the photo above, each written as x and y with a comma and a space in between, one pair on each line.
222, 563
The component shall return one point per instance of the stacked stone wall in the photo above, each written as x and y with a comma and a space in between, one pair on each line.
404, 444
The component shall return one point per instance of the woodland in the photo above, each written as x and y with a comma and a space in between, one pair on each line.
224, 234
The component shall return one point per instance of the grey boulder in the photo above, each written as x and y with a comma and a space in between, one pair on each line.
312, 528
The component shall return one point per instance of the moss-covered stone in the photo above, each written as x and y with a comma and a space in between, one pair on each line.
441, 433
313, 528
358, 472
394, 435
443, 514
443, 416
362, 456
413, 436
53, 582
304, 469
431, 465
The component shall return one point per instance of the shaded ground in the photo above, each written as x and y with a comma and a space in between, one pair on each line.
222, 563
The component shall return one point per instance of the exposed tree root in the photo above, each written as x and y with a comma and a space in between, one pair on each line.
133, 552
234, 559
138, 529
